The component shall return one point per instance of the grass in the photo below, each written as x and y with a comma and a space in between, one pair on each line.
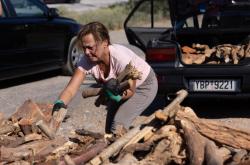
113, 16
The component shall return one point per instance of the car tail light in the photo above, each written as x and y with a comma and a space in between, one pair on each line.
161, 54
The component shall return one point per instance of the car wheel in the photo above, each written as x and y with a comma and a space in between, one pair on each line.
74, 55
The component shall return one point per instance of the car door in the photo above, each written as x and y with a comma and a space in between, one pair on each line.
45, 38
12, 42
148, 20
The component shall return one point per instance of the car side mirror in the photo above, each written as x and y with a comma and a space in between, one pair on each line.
53, 12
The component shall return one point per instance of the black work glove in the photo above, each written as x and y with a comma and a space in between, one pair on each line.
58, 104
113, 86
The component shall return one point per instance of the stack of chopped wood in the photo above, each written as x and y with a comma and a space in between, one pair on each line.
29, 136
220, 54
175, 135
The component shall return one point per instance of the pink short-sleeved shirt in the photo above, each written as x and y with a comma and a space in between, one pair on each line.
120, 56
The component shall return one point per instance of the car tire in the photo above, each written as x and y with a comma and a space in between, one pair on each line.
74, 55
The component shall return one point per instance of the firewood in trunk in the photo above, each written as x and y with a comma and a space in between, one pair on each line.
247, 50
208, 52
235, 51
188, 50
187, 58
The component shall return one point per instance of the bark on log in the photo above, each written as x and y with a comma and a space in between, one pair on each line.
218, 132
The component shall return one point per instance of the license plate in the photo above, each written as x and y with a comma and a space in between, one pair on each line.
213, 85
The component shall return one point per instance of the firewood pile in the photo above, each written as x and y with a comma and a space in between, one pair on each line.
220, 54
173, 135
29, 136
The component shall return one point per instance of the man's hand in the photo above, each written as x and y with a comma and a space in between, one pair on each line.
58, 104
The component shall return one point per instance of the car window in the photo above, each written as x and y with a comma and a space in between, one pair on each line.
142, 16
2, 12
26, 8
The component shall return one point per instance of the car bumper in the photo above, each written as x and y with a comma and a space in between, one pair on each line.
170, 80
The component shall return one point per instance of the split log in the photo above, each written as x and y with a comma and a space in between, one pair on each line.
29, 110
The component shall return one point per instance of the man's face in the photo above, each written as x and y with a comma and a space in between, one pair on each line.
92, 49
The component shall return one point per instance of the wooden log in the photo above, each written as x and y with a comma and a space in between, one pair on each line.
57, 119
29, 110
219, 132
212, 154
195, 143
29, 150
88, 154
12, 142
